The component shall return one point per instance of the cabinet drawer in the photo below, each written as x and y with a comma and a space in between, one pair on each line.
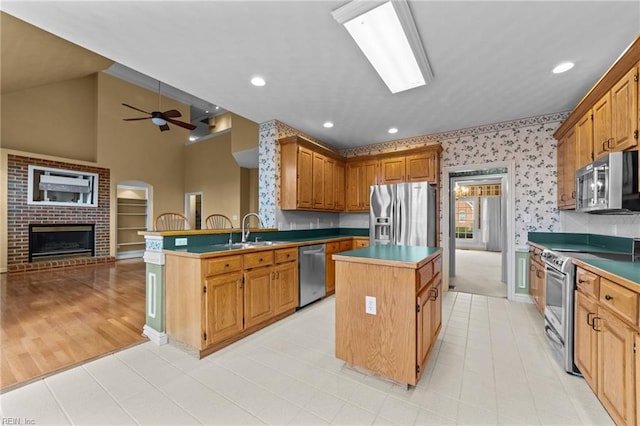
620, 300
587, 282
424, 276
333, 247
285, 255
260, 258
361, 243
437, 265
346, 245
223, 264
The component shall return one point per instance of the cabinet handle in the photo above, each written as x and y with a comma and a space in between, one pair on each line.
226, 265
607, 297
538, 274
573, 195
260, 260
603, 143
594, 324
590, 322
562, 197
288, 255
609, 143
581, 281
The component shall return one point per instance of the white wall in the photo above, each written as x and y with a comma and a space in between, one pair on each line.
617, 225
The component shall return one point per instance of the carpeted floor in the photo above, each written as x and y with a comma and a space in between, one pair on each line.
478, 272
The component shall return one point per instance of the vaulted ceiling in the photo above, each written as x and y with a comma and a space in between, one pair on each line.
492, 61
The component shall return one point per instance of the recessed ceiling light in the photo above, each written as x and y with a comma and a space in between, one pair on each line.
393, 130
565, 66
258, 81
328, 124
217, 107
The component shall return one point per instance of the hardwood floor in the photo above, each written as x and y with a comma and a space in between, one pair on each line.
56, 319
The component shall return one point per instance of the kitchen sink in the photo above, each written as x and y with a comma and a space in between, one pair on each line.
249, 244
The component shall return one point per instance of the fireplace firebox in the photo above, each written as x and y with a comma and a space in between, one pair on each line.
53, 242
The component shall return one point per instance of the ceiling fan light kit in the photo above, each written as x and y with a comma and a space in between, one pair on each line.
161, 119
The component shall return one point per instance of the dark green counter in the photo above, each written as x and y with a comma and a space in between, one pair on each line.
390, 253
627, 270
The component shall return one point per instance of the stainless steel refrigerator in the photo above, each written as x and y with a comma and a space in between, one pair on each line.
403, 214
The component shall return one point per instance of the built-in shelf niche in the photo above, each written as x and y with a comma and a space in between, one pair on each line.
132, 217
49, 186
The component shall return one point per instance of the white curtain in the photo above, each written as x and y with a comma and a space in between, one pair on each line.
491, 223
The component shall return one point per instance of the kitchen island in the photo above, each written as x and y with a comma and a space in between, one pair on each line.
388, 309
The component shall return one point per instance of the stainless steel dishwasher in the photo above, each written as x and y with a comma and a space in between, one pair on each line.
311, 274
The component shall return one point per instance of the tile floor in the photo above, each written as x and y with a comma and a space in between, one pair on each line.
490, 365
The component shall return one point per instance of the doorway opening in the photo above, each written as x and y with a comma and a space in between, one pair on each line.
479, 219
193, 209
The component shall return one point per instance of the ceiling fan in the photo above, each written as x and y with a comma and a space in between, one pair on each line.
161, 119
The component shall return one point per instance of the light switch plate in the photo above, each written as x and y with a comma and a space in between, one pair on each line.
370, 305
181, 242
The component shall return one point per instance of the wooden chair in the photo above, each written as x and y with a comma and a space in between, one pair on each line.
172, 222
218, 221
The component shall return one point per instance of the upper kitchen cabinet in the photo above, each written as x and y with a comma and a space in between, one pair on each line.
360, 176
566, 171
607, 119
419, 165
309, 176
584, 141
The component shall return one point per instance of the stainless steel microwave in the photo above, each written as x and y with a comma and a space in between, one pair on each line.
609, 185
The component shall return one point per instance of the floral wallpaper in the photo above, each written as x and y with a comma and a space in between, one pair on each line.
528, 143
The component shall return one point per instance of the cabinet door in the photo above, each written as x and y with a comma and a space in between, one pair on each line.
329, 184
616, 386
602, 126
305, 178
436, 310
541, 290
369, 172
566, 171
392, 170
421, 167
258, 296
624, 107
286, 286
586, 339
223, 307
584, 140
330, 274
338, 181
353, 186
533, 282
423, 326
318, 181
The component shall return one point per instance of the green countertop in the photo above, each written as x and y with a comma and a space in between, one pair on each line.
405, 254
592, 243
627, 270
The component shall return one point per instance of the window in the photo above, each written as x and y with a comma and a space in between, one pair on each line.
49, 186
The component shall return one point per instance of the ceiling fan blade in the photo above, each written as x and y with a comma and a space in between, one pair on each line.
137, 109
173, 113
134, 119
164, 127
180, 123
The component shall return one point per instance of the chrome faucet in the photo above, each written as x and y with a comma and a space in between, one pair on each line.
245, 236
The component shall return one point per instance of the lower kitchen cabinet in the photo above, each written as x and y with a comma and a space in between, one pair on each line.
606, 334
223, 307
215, 301
536, 278
258, 296
285, 283
395, 333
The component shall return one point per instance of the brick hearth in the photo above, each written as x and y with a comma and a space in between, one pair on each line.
21, 214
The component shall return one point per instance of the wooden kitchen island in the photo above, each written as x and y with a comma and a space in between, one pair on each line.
388, 309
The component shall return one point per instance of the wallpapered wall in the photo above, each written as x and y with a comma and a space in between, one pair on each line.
528, 143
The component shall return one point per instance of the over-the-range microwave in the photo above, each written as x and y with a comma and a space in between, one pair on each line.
609, 185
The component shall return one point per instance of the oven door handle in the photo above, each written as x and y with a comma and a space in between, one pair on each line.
553, 335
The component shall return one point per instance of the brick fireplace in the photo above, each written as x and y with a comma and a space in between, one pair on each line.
21, 215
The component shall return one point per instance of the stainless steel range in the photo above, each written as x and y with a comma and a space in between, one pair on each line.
559, 306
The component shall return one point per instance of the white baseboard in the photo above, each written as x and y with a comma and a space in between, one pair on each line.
157, 337
522, 298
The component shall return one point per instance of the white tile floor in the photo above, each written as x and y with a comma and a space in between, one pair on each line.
491, 365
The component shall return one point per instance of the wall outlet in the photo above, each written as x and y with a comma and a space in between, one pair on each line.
234, 217
370, 305
181, 242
